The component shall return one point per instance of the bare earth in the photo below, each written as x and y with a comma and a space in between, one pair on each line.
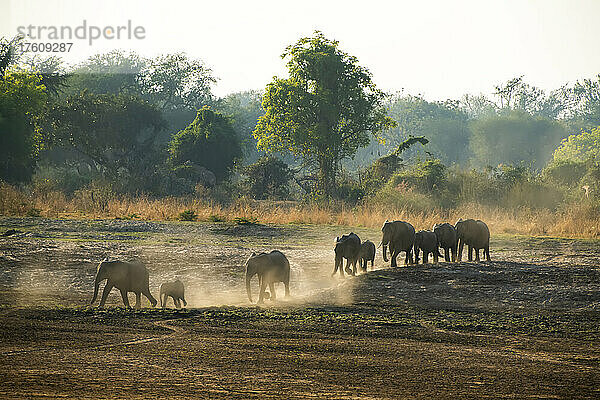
526, 325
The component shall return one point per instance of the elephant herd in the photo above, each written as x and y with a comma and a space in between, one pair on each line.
274, 267
400, 236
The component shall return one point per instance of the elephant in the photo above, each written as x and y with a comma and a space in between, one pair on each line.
367, 253
447, 240
270, 267
127, 277
400, 236
476, 235
174, 290
348, 247
426, 241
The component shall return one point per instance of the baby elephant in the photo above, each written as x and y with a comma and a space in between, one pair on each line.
175, 291
366, 254
426, 241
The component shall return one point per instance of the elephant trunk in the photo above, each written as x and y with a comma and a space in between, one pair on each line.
385, 253
96, 286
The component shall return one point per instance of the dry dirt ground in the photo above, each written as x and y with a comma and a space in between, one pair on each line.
526, 325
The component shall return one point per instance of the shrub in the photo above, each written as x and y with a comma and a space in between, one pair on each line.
216, 218
565, 172
188, 215
268, 178
401, 196
425, 176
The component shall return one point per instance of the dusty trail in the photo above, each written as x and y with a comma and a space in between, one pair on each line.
175, 331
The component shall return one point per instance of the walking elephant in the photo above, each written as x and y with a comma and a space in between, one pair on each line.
476, 235
447, 240
127, 277
428, 243
175, 290
399, 236
348, 247
271, 268
366, 254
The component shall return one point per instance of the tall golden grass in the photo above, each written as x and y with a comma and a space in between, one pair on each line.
577, 220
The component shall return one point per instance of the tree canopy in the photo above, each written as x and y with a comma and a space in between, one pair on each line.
209, 141
582, 147
324, 111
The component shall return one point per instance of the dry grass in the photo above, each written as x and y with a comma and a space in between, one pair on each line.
579, 220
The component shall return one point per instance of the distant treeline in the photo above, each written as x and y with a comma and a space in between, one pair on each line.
134, 125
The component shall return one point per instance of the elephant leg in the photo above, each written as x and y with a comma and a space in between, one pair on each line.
146, 292
348, 269
263, 286
138, 300
373, 263
453, 250
272, 290
394, 256
335, 268
476, 254
461, 245
287, 288
354, 267
417, 251
163, 300
177, 302
487, 253
447, 254
107, 288
435, 256
425, 257
184, 302
470, 249
125, 298
409, 257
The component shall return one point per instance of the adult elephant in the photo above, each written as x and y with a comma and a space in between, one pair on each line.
127, 277
399, 236
476, 235
427, 242
447, 240
270, 267
348, 247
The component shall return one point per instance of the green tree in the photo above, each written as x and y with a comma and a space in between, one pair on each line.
176, 82
324, 111
22, 97
209, 141
515, 137
116, 133
268, 178
444, 124
245, 109
582, 147
108, 73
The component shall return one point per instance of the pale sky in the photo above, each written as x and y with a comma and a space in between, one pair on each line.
441, 49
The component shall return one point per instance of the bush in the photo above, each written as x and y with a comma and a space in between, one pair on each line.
425, 176
268, 178
565, 172
188, 215
401, 196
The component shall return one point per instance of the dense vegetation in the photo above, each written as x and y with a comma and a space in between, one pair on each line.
122, 125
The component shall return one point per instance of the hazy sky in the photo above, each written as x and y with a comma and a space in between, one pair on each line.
441, 49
